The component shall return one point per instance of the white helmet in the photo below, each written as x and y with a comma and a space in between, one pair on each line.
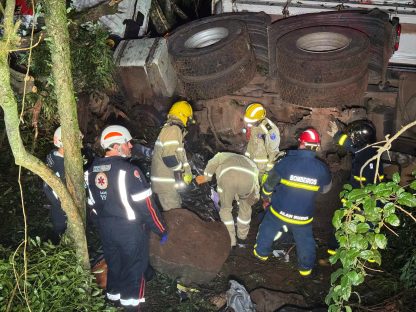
57, 138
114, 134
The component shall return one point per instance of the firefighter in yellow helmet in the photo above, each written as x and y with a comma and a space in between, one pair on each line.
170, 168
263, 138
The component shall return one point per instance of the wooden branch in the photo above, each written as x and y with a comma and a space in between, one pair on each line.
405, 211
385, 148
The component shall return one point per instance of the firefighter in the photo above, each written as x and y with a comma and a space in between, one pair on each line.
237, 178
126, 211
170, 171
263, 139
55, 161
356, 139
291, 187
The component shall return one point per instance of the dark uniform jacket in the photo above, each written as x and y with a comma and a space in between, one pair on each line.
118, 189
359, 158
55, 161
293, 184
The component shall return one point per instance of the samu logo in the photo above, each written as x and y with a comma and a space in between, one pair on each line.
103, 195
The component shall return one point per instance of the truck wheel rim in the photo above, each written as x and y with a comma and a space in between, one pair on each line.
206, 38
323, 42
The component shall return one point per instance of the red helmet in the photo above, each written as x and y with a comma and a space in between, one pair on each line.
310, 137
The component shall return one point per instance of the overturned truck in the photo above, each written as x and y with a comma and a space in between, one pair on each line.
306, 69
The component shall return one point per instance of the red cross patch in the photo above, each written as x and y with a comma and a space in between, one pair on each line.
101, 181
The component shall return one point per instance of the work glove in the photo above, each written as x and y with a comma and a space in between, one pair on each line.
333, 128
164, 238
187, 178
266, 203
200, 179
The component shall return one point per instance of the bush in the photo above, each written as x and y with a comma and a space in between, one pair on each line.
55, 281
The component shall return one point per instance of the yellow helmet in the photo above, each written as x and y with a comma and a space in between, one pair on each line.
181, 110
254, 112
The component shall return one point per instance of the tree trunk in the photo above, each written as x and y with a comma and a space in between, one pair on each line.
56, 23
73, 160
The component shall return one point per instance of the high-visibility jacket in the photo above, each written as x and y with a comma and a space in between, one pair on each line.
359, 158
263, 145
169, 155
293, 184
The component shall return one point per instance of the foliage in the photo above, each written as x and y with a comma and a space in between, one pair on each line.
55, 280
360, 227
408, 272
92, 69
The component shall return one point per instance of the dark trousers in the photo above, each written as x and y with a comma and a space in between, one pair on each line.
302, 234
58, 218
126, 251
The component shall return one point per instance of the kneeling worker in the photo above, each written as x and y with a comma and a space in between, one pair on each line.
237, 178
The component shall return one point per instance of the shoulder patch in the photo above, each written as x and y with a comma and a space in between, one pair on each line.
137, 174
101, 168
101, 181
273, 136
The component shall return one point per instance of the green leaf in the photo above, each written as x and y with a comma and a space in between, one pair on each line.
336, 274
381, 241
413, 185
382, 187
359, 217
389, 209
396, 177
407, 199
348, 309
392, 220
351, 228
356, 194
337, 218
363, 227
347, 187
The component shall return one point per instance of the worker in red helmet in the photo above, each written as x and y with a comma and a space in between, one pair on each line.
291, 188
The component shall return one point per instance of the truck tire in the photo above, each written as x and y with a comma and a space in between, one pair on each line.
374, 23
218, 84
323, 66
256, 23
211, 58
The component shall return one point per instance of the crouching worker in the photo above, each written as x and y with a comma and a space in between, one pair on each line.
237, 178
292, 186
123, 201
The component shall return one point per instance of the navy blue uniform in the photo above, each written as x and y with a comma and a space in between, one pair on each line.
293, 185
359, 158
55, 161
122, 199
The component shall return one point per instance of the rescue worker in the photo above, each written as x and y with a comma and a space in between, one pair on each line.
55, 161
291, 187
263, 139
237, 178
355, 140
170, 171
126, 211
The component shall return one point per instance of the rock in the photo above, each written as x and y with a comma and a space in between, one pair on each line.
195, 250
219, 300
271, 300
